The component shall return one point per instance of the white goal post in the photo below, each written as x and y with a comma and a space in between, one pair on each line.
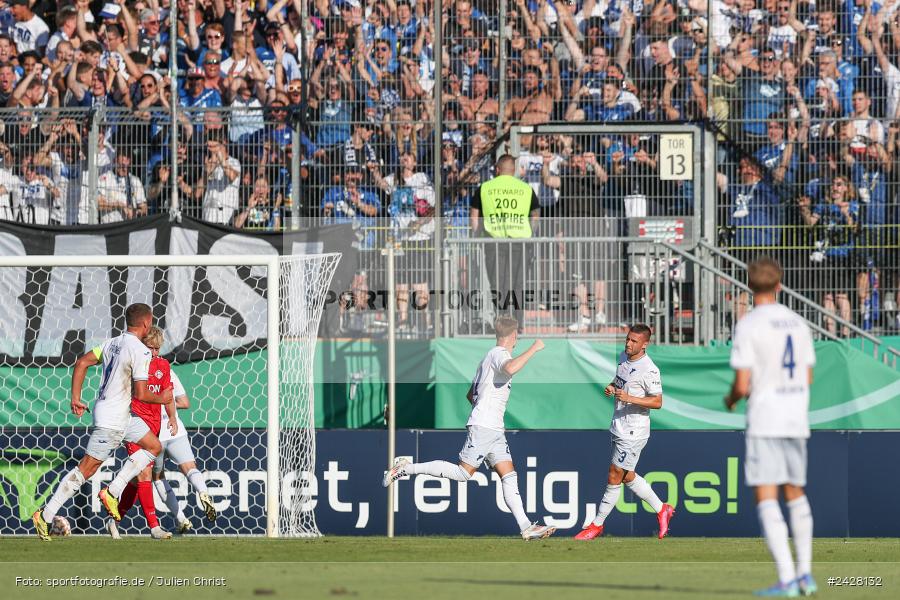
296, 287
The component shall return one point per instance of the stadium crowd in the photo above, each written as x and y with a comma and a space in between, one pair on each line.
803, 97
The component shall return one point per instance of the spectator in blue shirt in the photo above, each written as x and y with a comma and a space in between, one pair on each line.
610, 109
274, 51
333, 111
406, 27
754, 209
377, 26
763, 93
351, 203
194, 94
836, 223
828, 73
778, 155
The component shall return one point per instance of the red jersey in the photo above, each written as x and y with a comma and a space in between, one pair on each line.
160, 380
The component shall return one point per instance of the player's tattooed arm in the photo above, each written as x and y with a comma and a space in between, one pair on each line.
81, 366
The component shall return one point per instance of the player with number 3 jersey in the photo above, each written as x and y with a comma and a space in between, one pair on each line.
637, 389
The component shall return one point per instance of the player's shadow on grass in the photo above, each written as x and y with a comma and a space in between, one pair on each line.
666, 589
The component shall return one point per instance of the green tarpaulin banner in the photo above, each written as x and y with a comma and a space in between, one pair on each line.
561, 388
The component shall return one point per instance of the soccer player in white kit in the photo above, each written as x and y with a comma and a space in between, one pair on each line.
486, 439
773, 358
178, 448
637, 389
125, 362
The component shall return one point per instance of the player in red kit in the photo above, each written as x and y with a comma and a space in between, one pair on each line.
159, 381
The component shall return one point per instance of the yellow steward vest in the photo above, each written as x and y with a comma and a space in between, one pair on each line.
505, 205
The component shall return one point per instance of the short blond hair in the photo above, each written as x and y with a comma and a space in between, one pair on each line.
154, 337
505, 326
764, 275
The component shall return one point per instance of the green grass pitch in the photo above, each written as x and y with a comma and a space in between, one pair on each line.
433, 568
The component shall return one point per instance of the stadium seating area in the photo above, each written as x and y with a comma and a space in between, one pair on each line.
803, 97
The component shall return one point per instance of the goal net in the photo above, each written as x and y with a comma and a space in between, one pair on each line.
240, 332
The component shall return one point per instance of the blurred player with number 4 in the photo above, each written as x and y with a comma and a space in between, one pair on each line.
126, 363
159, 381
773, 357
486, 439
637, 389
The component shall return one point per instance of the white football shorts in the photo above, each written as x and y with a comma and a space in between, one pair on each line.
775, 461
178, 449
484, 445
103, 442
626, 453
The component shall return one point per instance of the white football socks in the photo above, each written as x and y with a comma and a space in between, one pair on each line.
130, 469
170, 499
802, 532
197, 480
775, 531
642, 490
510, 485
610, 497
68, 487
438, 468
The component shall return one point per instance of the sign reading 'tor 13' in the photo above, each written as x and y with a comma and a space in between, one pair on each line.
676, 154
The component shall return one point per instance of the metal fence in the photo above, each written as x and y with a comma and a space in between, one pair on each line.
595, 285
83, 167
800, 99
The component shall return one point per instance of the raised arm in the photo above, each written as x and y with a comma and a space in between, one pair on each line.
533, 30
193, 37
623, 52
22, 87
130, 25
81, 28
876, 44
570, 42
514, 365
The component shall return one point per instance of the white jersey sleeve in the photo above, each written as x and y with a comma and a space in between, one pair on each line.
776, 345
141, 357
490, 390
651, 382
177, 386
